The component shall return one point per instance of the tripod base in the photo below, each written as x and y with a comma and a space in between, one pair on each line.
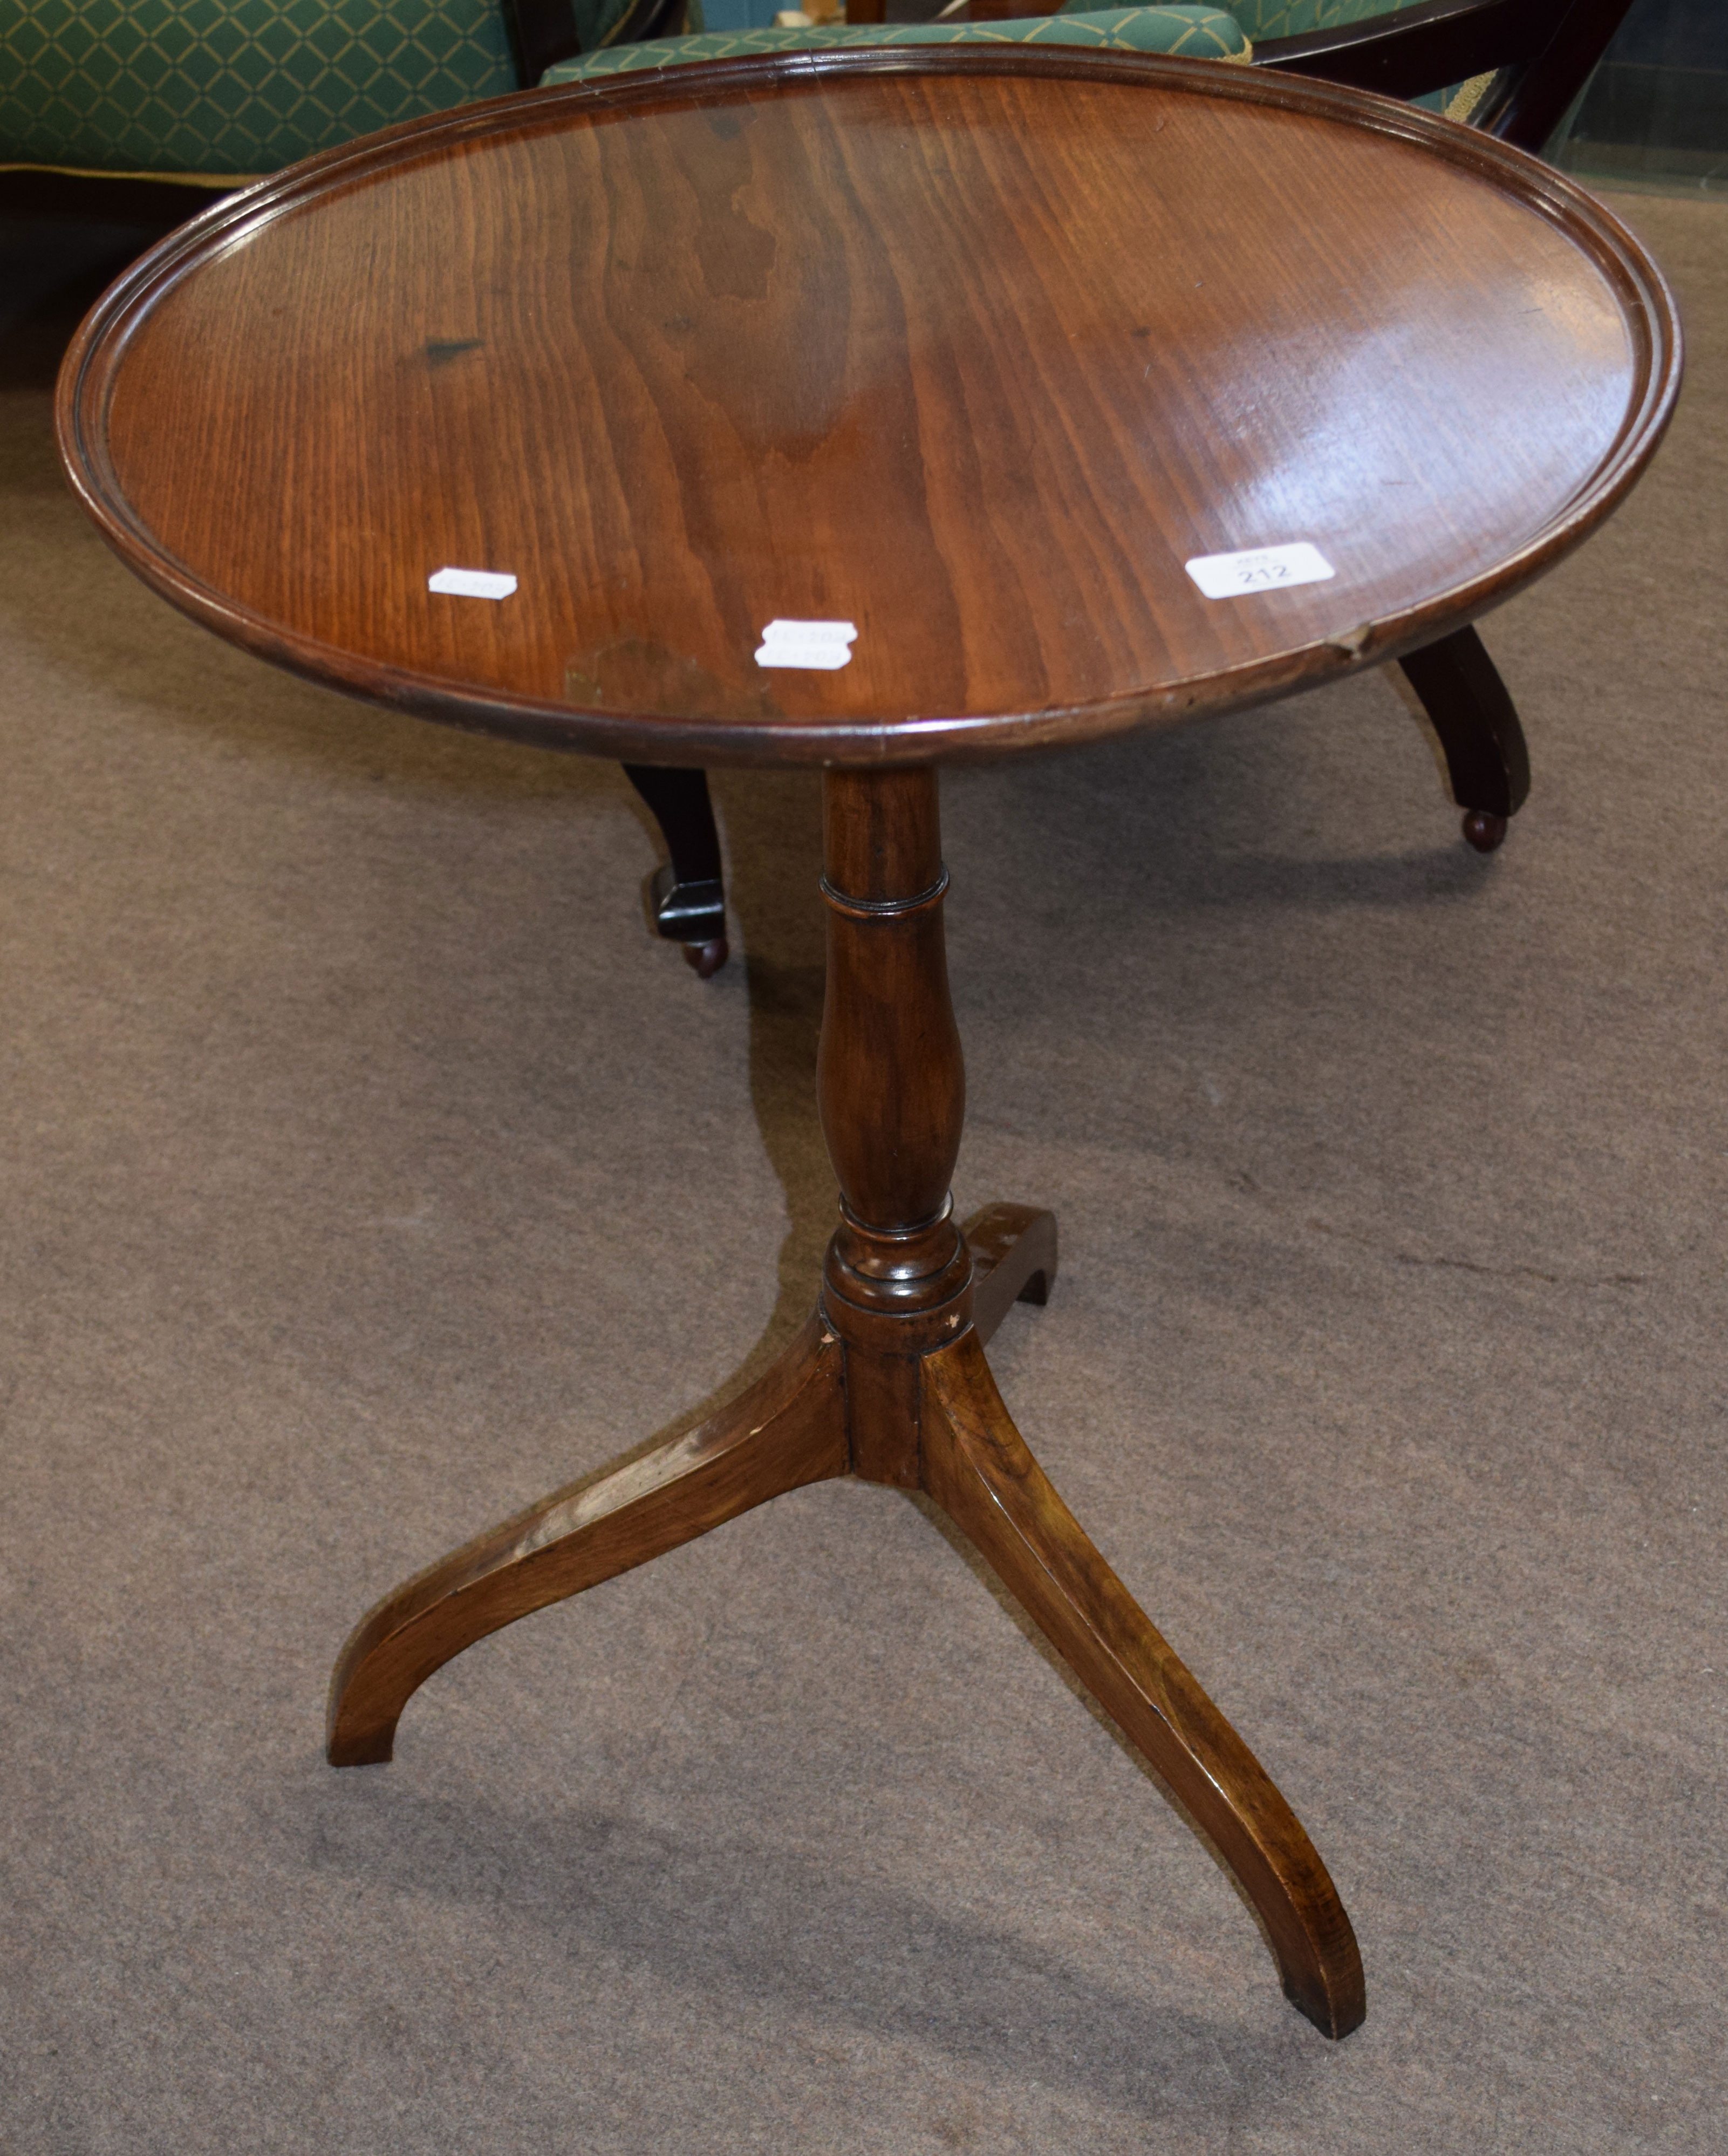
888, 1382
951, 1435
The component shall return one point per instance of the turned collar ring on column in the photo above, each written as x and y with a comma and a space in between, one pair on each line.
872, 909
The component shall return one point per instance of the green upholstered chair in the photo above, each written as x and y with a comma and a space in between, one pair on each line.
218, 91
1193, 32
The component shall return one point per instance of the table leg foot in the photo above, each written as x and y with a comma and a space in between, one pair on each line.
1476, 722
978, 1469
1013, 1249
707, 959
787, 1429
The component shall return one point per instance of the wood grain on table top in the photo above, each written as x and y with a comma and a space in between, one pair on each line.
974, 351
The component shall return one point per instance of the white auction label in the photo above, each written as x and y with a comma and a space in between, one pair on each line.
1261, 569
822, 645
472, 583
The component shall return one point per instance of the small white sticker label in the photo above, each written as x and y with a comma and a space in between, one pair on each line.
472, 583
1262, 569
823, 645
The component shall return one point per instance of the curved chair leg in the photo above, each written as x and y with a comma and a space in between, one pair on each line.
789, 1429
687, 894
977, 1467
1471, 710
1013, 1249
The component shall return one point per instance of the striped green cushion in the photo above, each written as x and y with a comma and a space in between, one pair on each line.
226, 87
1196, 32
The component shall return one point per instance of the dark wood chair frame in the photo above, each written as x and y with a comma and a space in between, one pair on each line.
542, 33
1541, 54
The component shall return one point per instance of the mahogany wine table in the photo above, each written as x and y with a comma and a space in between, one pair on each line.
974, 350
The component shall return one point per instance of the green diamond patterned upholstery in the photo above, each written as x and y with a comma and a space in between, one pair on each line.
1295, 19
1199, 33
228, 87
222, 90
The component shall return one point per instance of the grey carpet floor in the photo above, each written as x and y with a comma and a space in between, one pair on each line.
369, 1172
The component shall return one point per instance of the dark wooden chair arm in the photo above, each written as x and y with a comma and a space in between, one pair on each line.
543, 32
1546, 51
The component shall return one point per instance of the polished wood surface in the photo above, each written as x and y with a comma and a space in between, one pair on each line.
978, 1469
1013, 1254
788, 1430
972, 347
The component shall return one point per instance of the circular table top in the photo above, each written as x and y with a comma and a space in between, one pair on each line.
975, 349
